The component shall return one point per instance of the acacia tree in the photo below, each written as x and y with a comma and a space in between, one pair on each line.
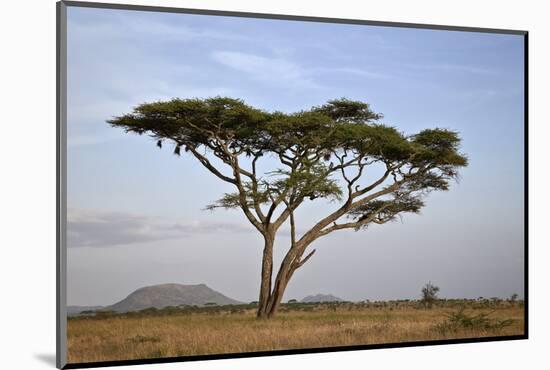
321, 153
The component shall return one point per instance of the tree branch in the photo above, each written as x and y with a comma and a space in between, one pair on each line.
255, 199
299, 263
292, 230
242, 196
356, 224
206, 163
313, 233
372, 186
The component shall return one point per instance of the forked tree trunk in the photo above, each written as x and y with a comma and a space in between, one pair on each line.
271, 297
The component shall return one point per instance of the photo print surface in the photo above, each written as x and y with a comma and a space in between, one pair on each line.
241, 185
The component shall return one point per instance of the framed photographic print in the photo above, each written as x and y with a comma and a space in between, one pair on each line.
235, 184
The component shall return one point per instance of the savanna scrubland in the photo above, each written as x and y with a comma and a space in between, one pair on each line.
188, 331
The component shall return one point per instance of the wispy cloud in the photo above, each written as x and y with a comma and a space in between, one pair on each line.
362, 72
144, 26
283, 71
454, 68
274, 70
93, 228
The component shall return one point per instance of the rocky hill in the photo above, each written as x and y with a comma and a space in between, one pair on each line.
164, 295
321, 298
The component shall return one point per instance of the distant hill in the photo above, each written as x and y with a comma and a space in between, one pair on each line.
321, 298
75, 310
164, 295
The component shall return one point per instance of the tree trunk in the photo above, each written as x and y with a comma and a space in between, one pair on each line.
281, 281
270, 299
267, 271
277, 295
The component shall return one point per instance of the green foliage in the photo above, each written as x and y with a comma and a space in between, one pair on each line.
311, 180
348, 111
188, 121
340, 124
439, 147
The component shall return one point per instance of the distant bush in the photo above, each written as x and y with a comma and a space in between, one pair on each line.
148, 311
102, 314
87, 312
246, 308
429, 295
143, 339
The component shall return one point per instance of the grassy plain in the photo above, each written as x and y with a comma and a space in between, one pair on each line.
229, 329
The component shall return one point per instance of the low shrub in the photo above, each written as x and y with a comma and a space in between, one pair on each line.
143, 339
460, 320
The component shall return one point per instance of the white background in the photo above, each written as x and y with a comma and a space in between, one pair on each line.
27, 185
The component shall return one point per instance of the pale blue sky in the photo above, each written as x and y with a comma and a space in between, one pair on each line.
135, 214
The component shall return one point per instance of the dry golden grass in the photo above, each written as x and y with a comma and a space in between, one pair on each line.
125, 337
